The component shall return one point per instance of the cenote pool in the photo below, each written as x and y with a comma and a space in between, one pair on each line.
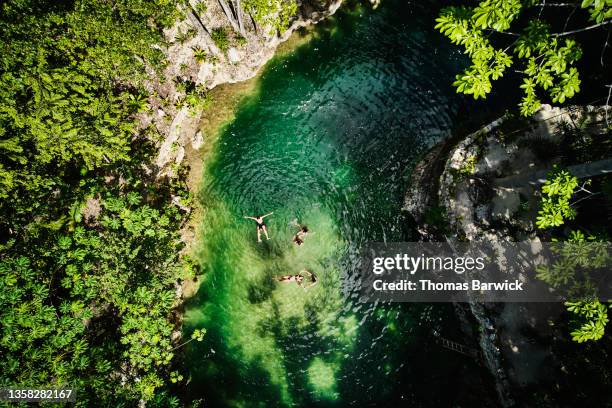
329, 136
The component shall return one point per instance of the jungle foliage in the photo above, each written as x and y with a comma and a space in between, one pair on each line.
275, 13
546, 60
580, 255
89, 238
556, 194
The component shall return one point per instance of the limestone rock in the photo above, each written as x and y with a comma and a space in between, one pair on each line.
505, 204
481, 214
180, 154
198, 140
233, 56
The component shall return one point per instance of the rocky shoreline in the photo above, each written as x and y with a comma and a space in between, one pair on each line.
177, 123
466, 180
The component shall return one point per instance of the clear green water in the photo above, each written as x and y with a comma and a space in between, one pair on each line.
329, 137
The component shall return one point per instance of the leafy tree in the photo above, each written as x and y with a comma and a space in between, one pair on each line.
556, 194
600, 10
122, 272
547, 59
194, 96
594, 317
578, 257
85, 300
578, 254
59, 99
35, 329
273, 13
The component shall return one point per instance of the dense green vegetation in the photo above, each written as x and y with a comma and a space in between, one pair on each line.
90, 240
556, 194
579, 257
582, 243
546, 59
271, 15
578, 253
90, 243
89, 236
219, 36
581, 240
275, 13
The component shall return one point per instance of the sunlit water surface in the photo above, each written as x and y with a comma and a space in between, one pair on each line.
329, 137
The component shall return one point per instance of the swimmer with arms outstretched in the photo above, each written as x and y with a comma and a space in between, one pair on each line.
261, 225
299, 279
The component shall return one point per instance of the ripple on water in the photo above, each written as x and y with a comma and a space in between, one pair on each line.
327, 139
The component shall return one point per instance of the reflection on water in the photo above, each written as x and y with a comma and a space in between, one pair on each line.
329, 138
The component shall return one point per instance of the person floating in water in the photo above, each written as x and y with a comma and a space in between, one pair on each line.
261, 225
299, 279
298, 238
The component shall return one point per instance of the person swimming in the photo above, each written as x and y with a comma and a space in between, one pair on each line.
298, 238
261, 225
299, 279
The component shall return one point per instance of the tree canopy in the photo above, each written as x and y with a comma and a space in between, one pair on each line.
89, 238
580, 255
545, 59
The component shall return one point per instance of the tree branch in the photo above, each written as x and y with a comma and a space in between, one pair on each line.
230, 16
582, 29
544, 4
542, 9
254, 23
603, 50
196, 21
581, 188
569, 17
556, 34
584, 198
239, 15
182, 344
503, 32
608, 102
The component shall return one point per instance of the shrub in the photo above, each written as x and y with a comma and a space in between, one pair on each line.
219, 36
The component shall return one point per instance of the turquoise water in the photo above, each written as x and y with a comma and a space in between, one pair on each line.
329, 136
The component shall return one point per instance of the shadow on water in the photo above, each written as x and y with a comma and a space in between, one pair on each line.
328, 138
